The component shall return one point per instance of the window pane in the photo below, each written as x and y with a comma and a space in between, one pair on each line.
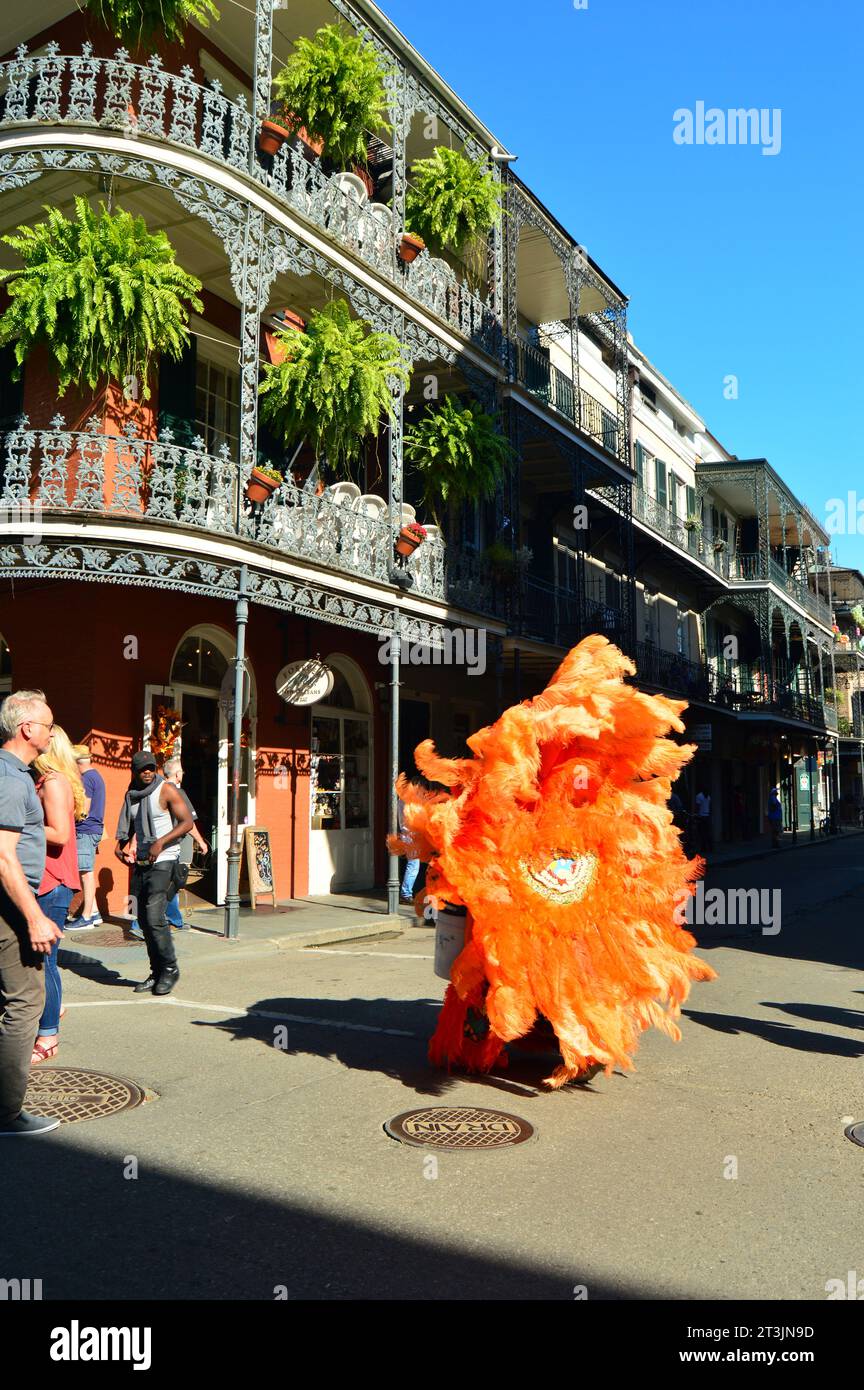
326, 778
356, 775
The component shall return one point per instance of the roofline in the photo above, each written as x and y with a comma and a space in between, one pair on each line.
399, 41
559, 226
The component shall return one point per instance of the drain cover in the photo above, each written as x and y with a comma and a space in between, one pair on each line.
113, 936
446, 1127
70, 1094
856, 1133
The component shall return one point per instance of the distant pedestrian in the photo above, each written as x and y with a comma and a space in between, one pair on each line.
88, 832
155, 815
775, 816
703, 821
412, 866
61, 793
26, 934
173, 771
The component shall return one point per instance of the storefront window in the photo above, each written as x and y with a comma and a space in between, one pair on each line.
199, 662
340, 773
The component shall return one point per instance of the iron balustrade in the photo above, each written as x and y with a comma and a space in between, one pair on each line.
87, 473
534, 370
674, 672
147, 101
760, 566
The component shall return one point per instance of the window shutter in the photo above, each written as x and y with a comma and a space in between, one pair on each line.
660, 479
177, 395
640, 465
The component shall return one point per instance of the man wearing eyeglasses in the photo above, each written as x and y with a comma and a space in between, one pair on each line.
26, 934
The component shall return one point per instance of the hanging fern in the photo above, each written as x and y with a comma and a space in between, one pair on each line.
103, 294
333, 85
137, 21
452, 200
458, 453
334, 385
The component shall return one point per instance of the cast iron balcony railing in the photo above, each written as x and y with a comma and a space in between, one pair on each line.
125, 479
532, 369
673, 672
654, 514
758, 567
146, 101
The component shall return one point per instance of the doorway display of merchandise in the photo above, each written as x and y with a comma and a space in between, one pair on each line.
341, 827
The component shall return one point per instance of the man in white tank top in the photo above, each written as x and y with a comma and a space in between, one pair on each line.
156, 817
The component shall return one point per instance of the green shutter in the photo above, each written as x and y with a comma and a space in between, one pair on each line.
660, 480
177, 395
640, 464
691, 501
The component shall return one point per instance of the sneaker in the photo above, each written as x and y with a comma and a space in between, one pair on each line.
83, 923
137, 933
28, 1124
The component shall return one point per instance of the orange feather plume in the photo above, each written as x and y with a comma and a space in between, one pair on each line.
557, 838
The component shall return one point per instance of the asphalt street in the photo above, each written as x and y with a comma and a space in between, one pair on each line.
718, 1169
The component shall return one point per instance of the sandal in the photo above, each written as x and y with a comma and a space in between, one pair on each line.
42, 1053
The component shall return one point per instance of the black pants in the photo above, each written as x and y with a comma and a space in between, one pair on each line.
152, 886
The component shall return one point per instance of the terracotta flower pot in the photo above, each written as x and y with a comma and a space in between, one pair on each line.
274, 133
260, 486
407, 542
410, 247
365, 177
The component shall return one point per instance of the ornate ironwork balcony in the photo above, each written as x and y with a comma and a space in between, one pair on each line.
86, 473
762, 566
533, 370
135, 100
692, 539
671, 671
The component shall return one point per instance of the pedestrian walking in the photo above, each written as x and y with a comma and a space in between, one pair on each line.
775, 816
26, 934
155, 814
412, 866
173, 771
61, 793
703, 821
88, 832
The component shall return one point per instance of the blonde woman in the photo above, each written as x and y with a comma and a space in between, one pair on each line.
61, 792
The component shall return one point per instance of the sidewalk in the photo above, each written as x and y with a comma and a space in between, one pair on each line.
762, 848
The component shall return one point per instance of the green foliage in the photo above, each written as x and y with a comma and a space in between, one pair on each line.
334, 385
334, 86
858, 615
101, 292
458, 453
452, 200
137, 21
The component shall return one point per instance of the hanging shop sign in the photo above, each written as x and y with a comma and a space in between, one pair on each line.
304, 682
702, 736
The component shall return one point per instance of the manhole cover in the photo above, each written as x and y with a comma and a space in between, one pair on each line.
70, 1094
112, 936
445, 1127
856, 1133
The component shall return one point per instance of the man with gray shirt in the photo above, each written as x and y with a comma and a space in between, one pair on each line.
155, 814
26, 934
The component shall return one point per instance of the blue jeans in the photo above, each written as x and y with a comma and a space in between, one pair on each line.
56, 906
412, 869
172, 912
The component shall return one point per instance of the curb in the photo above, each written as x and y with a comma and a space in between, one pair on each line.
786, 849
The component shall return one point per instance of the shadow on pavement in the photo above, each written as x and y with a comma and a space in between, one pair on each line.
88, 1234
821, 1013
783, 1034
311, 1028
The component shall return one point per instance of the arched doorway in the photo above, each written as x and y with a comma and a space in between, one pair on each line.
192, 698
340, 833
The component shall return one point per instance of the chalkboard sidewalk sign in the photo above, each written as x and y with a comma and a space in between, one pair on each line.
259, 863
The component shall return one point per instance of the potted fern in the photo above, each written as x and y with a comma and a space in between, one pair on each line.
138, 22
453, 203
333, 88
458, 453
101, 293
333, 385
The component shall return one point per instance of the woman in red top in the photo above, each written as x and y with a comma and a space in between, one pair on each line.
61, 792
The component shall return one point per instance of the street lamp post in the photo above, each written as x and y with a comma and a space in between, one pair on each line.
232, 897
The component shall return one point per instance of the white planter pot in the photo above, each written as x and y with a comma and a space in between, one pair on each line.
450, 930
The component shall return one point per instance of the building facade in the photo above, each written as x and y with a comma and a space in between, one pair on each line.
128, 548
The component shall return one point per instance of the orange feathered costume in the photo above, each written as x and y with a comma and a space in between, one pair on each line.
557, 839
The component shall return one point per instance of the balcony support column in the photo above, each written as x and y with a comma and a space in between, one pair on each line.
263, 74
235, 850
395, 441
393, 800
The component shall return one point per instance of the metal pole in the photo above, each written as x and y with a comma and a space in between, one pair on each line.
834, 688
860, 721
232, 897
810, 761
393, 877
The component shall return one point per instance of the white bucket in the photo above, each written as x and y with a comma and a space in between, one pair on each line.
450, 931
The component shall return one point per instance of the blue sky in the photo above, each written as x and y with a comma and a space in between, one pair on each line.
737, 263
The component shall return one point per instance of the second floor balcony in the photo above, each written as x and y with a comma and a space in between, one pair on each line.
58, 476
532, 369
759, 567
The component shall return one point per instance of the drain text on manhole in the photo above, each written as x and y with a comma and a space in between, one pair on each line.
452, 1127
70, 1094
